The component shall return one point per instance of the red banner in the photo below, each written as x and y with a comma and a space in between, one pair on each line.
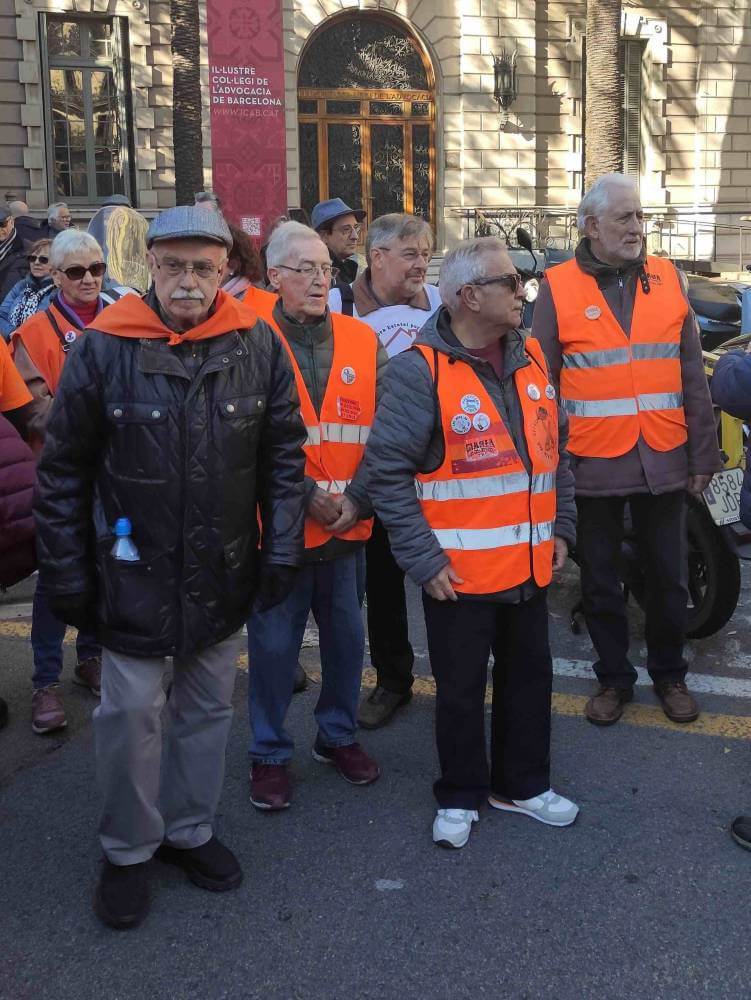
246, 83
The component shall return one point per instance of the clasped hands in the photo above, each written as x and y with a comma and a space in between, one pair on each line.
334, 511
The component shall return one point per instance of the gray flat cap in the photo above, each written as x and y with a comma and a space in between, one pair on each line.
189, 222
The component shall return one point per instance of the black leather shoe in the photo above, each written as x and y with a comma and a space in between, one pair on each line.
211, 866
122, 895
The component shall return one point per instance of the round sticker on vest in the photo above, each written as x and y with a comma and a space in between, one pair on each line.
470, 403
550, 392
593, 312
461, 423
348, 375
532, 391
481, 421
70, 336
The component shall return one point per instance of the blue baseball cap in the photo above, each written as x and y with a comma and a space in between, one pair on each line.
334, 208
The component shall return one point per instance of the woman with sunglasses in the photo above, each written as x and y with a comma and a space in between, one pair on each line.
40, 347
28, 294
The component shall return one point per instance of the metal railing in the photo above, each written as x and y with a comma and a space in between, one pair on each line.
702, 244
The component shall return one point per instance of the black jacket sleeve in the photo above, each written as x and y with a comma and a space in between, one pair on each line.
281, 468
66, 475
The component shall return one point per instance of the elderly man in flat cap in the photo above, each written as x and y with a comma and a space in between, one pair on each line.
175, 420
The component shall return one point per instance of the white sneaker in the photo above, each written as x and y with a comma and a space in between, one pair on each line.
549, 808
452, 827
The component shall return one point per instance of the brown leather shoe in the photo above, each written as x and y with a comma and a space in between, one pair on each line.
677, 701
88, 674
47, 712
606, 705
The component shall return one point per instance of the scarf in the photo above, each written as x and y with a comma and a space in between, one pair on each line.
133, 318
7, 246
28, 303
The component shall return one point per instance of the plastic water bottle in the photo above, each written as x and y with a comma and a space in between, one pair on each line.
124, 548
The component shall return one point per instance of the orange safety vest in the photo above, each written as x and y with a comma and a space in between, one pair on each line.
260, 300
494, 520
47, 337
616, 387
335, 442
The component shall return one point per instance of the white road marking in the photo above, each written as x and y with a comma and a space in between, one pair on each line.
735, 687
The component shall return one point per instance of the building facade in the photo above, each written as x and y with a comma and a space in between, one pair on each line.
389, 104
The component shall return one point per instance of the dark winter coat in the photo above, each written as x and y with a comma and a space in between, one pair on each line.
731, 391
188, 442
407, 438
17, 470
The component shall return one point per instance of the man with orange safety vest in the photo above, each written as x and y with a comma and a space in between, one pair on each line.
336, 361
467, 470
622, 342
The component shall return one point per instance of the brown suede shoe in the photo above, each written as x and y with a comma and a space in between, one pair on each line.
88, 674
606, 705
677, 701
47, 712
379, 706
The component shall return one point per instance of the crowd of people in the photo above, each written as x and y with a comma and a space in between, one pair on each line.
282, 432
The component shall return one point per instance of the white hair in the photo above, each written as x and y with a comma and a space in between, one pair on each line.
54, 210
464, 265
71, 241
283, 239
596, 200
384, 230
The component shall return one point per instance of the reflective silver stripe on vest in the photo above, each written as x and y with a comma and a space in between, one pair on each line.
333, 485
473, 489
480, 539
543, 482
337, 433
600, 407
597, 359
344, 433
645, 352
660, 401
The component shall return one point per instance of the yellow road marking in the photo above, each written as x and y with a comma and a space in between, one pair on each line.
730, 727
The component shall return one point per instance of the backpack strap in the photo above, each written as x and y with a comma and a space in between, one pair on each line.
65, 344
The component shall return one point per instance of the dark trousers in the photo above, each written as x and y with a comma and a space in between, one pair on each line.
660, 528
461, 635
388, 632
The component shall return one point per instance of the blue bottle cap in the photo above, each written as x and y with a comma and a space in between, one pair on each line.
122, 527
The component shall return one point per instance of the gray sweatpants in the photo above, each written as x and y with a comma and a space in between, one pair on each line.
136, 818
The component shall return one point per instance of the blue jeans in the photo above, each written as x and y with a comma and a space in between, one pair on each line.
47, 633
330, 591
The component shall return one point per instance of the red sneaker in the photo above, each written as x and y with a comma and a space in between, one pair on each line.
88, 674
269, 786
351, 762
47, 712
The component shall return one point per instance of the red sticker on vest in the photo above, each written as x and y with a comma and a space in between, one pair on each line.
348, 409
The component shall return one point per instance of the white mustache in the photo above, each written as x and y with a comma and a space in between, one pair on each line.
198, 296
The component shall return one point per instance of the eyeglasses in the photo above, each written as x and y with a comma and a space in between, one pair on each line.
38, 259
513, 282
410, 256
201, 268
77, 272
348, 230
312, 270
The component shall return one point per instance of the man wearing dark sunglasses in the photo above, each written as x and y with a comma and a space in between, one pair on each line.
468, 472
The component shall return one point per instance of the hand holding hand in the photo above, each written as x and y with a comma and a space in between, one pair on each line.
326, 508
439, 588
348, 517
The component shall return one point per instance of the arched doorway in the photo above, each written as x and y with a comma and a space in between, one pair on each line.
366, 109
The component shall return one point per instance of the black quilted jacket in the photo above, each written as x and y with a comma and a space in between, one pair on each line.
186, 451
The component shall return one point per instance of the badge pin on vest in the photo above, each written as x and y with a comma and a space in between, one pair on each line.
461, 423
70, 336
348, 375
593, 312
470, 403
550, 392
532, 391
481, 421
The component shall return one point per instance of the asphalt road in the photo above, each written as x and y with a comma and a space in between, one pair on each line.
346, 898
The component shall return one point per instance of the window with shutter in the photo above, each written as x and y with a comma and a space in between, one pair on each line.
632, 51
